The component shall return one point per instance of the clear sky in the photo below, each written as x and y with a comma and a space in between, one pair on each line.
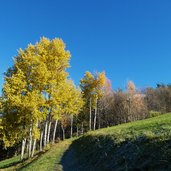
129, 39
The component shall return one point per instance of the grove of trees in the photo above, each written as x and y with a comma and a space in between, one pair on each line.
41, 105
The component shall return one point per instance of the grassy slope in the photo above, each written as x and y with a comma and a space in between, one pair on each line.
50, 160
142, 145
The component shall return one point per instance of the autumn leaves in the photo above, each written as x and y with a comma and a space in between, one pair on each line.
36, 93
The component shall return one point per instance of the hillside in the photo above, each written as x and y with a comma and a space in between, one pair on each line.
142, 145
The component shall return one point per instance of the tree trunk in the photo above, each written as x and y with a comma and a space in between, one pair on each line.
54, 132
27, 146
30, 142
82, 128
48, 134
33, 149
41, 140
34, 143
63, 132
71, 126
77, 130
45, 134
90, 116
95, 117
77, 126
23, 148
99, 119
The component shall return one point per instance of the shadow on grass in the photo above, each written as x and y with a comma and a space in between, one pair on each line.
79, 153
12, 164
68, 160
101, 153
24, 163
37, 156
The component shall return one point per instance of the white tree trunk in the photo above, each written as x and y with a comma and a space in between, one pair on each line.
95, 117
63, 132
34, 143
82, 128
77, 126
23, 148
90, 116
41, 140
54, 131
33, 149
30, 142
45, 134
27, 146
48, 134
99, 119
71, 126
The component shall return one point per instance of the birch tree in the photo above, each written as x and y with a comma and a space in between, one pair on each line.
28, 90
72, 104
86, 84
92, 87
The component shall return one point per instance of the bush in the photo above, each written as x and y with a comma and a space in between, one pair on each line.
154, 113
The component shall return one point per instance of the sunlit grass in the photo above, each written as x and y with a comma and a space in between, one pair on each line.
47, 161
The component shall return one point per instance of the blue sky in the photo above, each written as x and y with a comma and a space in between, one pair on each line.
129, 39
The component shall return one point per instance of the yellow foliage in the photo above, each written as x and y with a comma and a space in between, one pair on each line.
34, 86
92, 86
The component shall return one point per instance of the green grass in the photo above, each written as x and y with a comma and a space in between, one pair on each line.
141, 145
9, 162
50, 160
